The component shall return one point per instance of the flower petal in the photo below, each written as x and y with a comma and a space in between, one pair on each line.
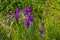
27, 10
41, 31
16, 16
30, 17
17, 10
27, 23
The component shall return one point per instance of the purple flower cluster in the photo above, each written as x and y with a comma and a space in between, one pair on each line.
29, 16
16, 13
27, 19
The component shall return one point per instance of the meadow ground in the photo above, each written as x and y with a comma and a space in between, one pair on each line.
46, 11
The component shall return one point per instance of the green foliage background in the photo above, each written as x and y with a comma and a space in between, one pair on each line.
11, 30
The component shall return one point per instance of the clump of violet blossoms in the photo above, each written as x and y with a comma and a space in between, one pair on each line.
29, 16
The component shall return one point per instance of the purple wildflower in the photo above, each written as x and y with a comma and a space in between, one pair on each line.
27, 23
41, 31
30, 17
27, 10
16, 13
17, 10
16, 16
42, 24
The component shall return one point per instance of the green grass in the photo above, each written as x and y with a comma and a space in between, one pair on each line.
48, 9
